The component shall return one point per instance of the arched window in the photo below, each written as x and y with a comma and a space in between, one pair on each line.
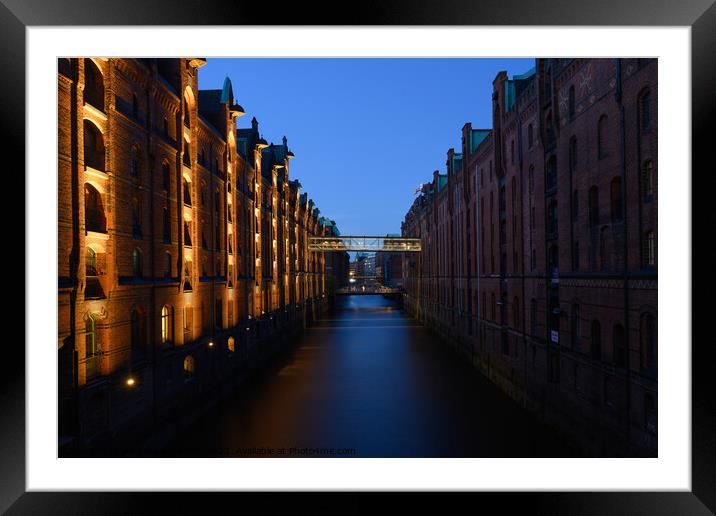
138, 341
167, 265
594, 206
90, 262
648, 251
619, 351
552, 219
617, 204
202, 192
602, 137
94, 210
94, 85
167, 324
645, 110
648, 342
596, 344
93, 146
576, 328
571, 101
187, 193
647, 181
231, 345
166, 226
136, 263
189, 367
135, 106
512, 152
551, 173
166, 176
551, 137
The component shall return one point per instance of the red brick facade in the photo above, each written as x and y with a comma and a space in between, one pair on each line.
539, 248
181, 244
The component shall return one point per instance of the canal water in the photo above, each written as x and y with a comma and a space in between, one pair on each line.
369, 381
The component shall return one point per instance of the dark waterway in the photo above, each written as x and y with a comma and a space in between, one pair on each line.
369, 381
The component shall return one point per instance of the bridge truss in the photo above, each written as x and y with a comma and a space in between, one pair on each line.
365, 244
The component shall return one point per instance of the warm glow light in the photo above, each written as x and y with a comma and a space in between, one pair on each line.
130, 381
211, 343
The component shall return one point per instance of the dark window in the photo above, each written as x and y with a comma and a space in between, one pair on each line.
137, 263
94, 85
617, 204
93, 146
531, 178
135, 106
648, 342
552, 219
576, 328
619, 346
167, 265
92, 351
575, 256
94, 210
572, 110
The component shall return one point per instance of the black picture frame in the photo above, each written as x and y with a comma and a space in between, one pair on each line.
700, 15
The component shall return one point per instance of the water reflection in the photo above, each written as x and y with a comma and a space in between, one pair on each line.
368, 381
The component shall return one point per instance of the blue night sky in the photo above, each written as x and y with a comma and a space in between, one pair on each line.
366, 132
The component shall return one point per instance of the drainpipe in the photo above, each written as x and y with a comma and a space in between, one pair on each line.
625, 270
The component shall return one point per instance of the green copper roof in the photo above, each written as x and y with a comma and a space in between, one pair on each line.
227, 92
442, 181
477, 136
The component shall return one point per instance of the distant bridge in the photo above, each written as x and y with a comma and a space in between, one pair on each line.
370, 290
365, 244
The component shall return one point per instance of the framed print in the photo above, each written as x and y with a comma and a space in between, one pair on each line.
416, 253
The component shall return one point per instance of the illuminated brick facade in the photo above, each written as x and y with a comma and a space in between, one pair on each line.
539, 248
181, 245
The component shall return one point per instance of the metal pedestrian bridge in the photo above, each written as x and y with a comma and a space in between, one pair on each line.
364, 244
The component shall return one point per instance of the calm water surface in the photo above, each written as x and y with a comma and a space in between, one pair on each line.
369, 381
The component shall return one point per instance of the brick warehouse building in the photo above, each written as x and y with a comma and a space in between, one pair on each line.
182, 248
539, 248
